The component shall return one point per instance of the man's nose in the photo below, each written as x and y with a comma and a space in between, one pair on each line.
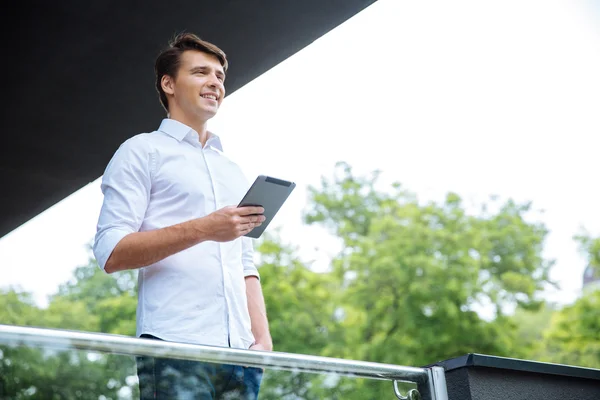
214, 82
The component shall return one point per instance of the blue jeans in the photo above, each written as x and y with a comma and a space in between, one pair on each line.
163, 378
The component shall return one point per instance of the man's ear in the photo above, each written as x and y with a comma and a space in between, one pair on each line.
166, 82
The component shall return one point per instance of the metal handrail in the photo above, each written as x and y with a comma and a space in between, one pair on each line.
68, 340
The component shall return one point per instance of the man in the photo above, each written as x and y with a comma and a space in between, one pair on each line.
169, 210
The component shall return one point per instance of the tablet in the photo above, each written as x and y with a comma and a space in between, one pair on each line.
269, 193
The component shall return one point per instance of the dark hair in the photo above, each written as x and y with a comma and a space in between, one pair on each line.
168, 61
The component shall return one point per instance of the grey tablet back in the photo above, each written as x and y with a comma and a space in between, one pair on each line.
269, 193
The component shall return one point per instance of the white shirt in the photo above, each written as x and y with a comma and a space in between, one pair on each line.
163, 178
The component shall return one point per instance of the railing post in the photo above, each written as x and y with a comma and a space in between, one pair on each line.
435, 387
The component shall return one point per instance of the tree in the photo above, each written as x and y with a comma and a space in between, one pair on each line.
303, 308
111, 298
530, 327
574, 334
299, 303
589, 246
414, 275
91, 301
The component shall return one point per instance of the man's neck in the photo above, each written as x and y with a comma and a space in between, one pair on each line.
198, 125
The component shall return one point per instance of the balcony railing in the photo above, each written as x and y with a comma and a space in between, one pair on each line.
430, 381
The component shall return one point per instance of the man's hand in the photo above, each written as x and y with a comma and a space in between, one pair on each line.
232, 222
261, 347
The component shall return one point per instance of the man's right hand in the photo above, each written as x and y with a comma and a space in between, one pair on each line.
232, 222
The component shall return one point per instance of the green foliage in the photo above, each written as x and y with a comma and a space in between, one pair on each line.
300, 305
300, 302
92, 301
530, 326
590, 248
18, 308
574, 335
567, 335
414, 275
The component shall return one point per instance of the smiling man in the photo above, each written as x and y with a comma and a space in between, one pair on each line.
169, 211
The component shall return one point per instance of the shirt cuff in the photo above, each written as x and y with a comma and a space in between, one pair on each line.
106, 244
251, 272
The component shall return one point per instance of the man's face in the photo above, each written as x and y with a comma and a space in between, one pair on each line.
198, 89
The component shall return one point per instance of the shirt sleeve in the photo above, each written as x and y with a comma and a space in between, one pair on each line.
248, 258
126, 188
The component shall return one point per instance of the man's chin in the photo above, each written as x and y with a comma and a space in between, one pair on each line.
208, 114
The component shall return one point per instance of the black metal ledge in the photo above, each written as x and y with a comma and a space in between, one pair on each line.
481, 360
483, 377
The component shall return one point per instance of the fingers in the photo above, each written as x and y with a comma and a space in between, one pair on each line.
250, 210
251, 218
247, 228
243, 219
252, 221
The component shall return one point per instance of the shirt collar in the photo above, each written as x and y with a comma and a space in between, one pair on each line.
180, 131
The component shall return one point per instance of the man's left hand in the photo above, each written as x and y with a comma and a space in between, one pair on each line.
261, 347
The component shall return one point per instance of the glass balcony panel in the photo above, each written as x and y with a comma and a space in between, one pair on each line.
48, 373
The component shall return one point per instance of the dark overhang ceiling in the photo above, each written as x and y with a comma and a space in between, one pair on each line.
78, 78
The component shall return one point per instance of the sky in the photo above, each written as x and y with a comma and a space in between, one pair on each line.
478, 98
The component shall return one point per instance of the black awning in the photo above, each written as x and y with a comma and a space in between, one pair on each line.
78, 78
